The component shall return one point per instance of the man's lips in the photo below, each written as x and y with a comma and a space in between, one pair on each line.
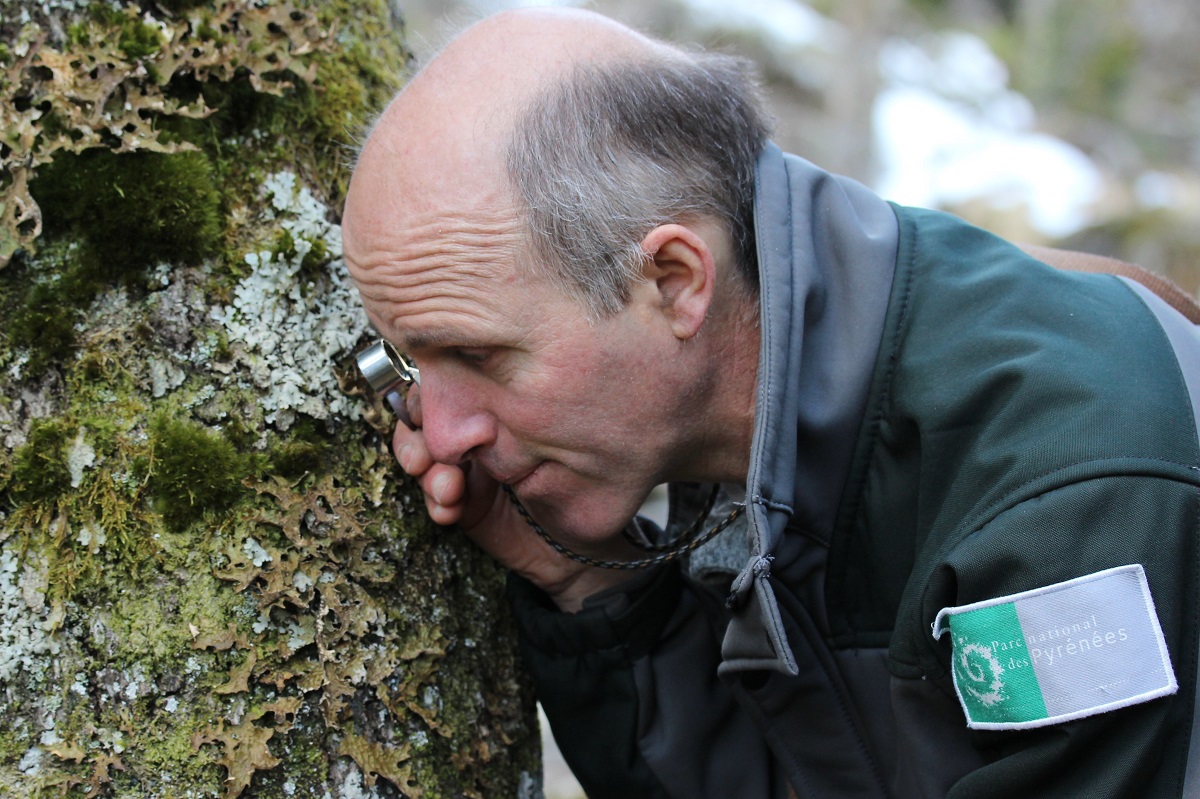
511, 477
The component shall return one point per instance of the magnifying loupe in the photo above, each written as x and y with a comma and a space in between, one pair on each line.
389, 374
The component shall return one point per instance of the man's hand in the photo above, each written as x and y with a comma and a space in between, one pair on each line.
469, 498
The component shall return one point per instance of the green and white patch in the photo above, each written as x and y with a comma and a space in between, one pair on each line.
1062, 652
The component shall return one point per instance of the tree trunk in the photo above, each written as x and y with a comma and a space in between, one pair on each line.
213, 581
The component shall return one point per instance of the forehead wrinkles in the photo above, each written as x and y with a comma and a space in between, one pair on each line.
415, 274
446, 250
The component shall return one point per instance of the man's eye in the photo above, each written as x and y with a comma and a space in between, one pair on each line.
475, 357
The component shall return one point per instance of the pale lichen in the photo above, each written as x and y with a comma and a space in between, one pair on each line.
80, 457
291, 323
26, 622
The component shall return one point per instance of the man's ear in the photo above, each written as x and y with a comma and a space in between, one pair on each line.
680, 273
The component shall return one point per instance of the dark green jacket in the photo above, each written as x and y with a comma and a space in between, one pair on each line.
941, 420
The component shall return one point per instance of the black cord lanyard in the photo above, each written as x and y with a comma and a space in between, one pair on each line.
690, 540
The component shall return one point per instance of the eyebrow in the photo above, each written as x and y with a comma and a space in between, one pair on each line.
440, 337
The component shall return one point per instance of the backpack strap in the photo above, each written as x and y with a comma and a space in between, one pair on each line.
1073, 261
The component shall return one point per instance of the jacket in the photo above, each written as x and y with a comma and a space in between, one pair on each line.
945, 429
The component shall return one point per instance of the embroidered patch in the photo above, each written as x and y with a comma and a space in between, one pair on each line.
1066, 651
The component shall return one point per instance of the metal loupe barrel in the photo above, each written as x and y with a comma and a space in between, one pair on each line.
388, 374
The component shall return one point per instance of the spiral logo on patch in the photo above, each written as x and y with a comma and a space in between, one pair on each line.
980, 673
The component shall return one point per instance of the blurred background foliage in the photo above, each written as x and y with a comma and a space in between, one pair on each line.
1057, 122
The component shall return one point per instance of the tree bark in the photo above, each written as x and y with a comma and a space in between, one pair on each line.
213, 580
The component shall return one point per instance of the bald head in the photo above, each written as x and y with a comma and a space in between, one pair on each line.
461, 108
497, 64
570, 137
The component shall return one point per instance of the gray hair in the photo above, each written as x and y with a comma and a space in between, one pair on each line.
601, 158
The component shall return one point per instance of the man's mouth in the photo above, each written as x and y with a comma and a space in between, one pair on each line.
512, 477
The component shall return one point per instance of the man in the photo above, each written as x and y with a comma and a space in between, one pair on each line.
958, 488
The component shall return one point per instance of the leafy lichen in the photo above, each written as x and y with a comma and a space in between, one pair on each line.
112, 83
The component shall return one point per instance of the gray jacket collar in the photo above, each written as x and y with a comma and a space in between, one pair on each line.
826, 255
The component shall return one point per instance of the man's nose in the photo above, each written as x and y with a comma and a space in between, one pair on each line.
454, 423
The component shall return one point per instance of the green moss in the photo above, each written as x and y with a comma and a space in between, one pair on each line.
221, 348
131, 210
316, 121
139, 40
284, 248
46, 327
40, 469
315, 260
312, 265
136, 39
11, 740
78, 35
178, 6
192, 471
205, 32
239, 430
166, 748
41, 302
298, 458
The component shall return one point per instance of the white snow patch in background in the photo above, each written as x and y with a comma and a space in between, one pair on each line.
780, 22
948, 130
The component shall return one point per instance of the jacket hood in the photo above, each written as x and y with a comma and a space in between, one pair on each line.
826, 256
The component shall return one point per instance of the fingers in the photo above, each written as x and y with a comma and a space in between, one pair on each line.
445, 486
412, 401
410, 449
408, 443
445, 493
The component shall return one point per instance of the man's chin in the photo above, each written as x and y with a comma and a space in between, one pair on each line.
576, 512
589, 530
